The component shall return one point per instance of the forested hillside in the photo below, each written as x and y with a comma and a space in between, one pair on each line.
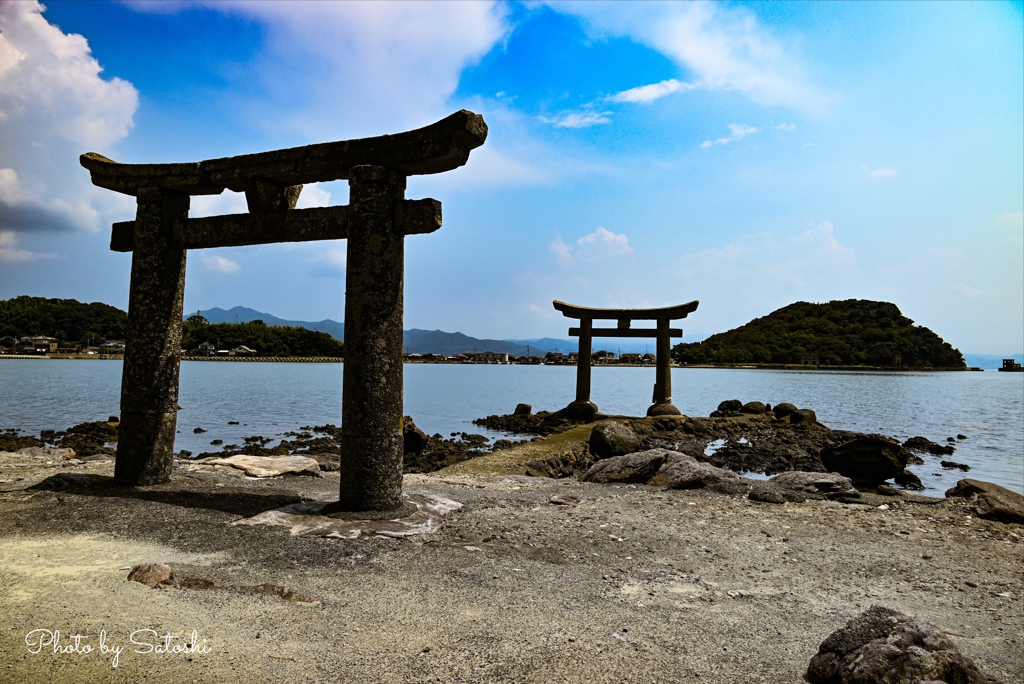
267, 340
843, 333
68, 320
73, 323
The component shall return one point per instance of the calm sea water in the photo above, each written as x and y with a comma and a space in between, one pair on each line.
272, 398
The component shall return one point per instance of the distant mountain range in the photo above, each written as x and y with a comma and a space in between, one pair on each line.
989, 361
423, 341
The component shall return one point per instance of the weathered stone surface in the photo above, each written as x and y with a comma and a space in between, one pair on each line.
784, 409
149, 374
413, 439
990, 500
954, 464
883, 645
681, 471
610, 438
636, 467
908, 480
441, 146
151, 574
268, 466
829, 485
868, 461
754, 407
925, 445
523, 410
47, 453
803, 416
769, 492
371, 416
310, 519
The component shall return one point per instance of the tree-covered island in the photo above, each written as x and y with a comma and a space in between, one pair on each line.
75, 326
853, 332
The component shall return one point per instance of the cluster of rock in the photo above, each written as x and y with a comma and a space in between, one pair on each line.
883, 645
677, 470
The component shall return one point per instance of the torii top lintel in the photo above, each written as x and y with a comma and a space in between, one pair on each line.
663, 313
441, 146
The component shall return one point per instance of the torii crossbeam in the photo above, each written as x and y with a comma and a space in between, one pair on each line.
375, 223
662, 406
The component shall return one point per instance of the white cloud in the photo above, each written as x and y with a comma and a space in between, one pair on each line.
739, 131
881, 173
53, 106
330, 262
723, 46
387, 65
786, 127
655, 91
583, 119
9, 249
219, 264
597, 246
786, 269
562, 252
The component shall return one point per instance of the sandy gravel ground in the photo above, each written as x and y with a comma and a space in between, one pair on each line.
628, 584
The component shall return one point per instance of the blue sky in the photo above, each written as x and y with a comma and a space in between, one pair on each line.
748, 155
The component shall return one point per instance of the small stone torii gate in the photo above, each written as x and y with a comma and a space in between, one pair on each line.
375, 223
586, 332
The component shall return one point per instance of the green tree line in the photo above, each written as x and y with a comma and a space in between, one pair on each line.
69, 321
267, 340
74, 323
848, 333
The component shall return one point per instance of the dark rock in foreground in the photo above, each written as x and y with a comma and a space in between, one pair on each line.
610, 438
868, 461
990, 500
883, 645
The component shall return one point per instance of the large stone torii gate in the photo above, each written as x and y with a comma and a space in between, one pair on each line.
586, 332
375, 223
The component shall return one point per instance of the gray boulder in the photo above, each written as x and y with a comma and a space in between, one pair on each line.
883, 645
682, 471
990, 500
609, 438
629, 468
829, 485
755, 407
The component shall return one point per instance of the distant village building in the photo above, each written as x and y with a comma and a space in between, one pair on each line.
241, 350
38, 344
204, 349
112, 347
490, 357
1011, 366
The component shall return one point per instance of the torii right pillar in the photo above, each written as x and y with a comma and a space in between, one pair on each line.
663, 333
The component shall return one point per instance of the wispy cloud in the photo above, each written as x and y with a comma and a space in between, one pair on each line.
597, 246
739, 131
655, 91
9, 250
723, 46
785, 127
219, 264
330, 262
581, 119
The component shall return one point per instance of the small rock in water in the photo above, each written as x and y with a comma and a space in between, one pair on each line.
199, 430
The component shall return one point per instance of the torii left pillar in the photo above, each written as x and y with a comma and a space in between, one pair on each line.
149, 375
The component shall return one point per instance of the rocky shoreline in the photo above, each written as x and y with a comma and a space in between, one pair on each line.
654, 564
